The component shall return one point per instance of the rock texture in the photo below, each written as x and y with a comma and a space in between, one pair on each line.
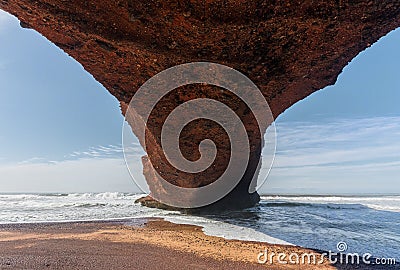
289, 49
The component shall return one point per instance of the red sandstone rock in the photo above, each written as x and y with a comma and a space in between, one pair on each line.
288, 48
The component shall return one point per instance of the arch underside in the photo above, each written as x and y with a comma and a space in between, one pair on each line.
289, 49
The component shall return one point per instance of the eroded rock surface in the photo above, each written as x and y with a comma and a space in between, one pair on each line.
289, 49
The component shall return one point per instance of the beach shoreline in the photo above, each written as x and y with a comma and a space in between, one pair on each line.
150, 243
123, 244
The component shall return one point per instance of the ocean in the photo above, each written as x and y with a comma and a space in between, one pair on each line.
367, 224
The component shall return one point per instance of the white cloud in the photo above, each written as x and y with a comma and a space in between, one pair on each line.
84, 175
98, 169
34, 160
346, 156
355, 140
109, 151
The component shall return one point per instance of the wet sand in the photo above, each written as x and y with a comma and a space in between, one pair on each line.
139, 244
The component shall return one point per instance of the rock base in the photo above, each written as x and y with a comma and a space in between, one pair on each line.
228, 203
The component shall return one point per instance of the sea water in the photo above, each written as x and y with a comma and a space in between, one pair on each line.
367, 224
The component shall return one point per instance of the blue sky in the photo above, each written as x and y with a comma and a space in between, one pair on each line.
61, 130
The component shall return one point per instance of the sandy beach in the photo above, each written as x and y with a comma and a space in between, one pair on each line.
139, 244
151, 244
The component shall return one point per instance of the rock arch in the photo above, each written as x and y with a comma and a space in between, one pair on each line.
290, 49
